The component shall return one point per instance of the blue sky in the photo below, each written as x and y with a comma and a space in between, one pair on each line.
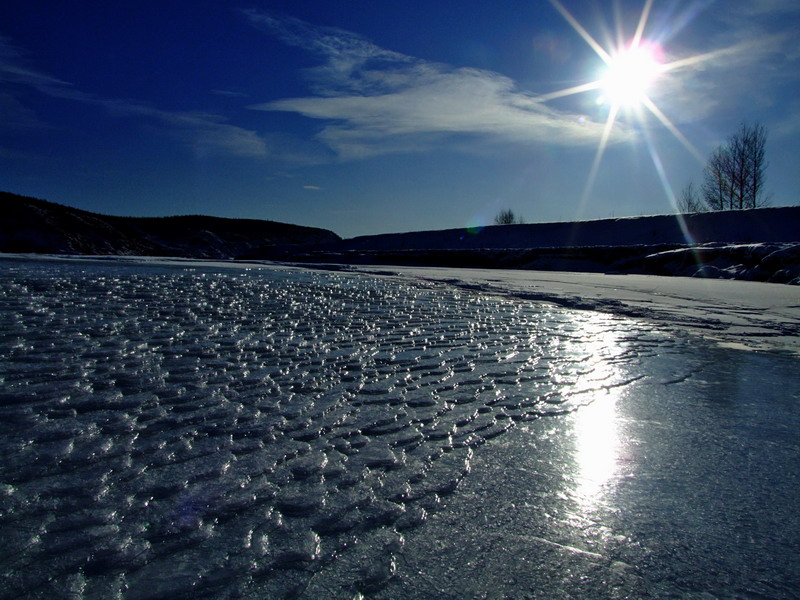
367, 116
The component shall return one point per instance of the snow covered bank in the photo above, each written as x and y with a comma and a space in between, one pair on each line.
771, 262
780, 224
753, 245
775, 263
757, 245
742, 314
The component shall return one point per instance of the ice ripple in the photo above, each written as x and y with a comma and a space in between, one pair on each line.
237, 433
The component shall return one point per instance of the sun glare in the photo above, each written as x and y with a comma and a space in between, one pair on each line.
629, 75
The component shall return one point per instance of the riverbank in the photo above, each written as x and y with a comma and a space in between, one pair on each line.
739, 314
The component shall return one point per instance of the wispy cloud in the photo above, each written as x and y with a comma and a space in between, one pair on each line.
772, 8
205, 134
377, 101
229, 93
741, 66
716, 82
346, 54
17, 117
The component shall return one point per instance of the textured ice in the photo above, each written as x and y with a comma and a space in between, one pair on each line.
170, 433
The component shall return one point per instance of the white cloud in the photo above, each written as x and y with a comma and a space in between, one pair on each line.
374, 101
377, 101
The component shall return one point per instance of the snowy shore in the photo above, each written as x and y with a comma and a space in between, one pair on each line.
738, 314
752, 245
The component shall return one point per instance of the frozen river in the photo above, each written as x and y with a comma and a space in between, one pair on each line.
177, 432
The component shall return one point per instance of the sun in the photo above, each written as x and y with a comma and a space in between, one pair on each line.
630, 74
625, 84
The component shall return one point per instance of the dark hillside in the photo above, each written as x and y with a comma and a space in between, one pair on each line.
760, 244
33, 225
778, 224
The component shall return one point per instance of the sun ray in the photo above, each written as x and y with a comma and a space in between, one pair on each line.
637, 37
706, 56
650, 105
659, 166
687, 234
578, 89
631, 67
618, 25
599, 50
598, 157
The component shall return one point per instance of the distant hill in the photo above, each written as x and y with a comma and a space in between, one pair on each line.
760, 244
778, 224
39, 226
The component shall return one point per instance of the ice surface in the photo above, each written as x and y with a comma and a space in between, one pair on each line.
744, 314
173, 432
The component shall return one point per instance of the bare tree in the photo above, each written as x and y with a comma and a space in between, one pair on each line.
689, 201
716, 180
754, 150
735, 173
505, 217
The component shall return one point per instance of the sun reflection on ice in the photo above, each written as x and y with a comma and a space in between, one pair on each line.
596, 449
595, 423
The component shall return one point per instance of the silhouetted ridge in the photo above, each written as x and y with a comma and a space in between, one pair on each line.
34, 225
